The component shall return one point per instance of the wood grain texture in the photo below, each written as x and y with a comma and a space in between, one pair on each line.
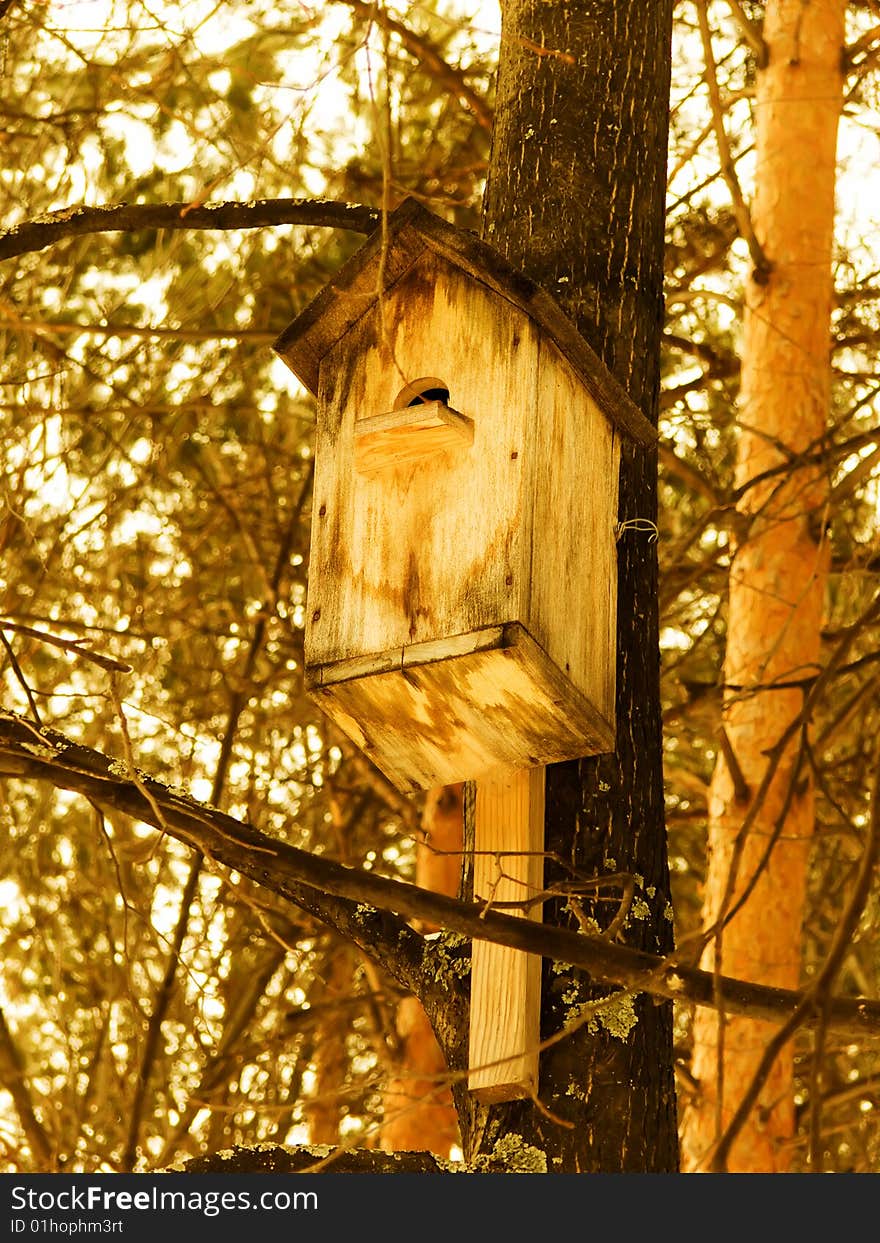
505, 983
414, 434
444, 712
437, 547
430, 526
573, 598
388, 255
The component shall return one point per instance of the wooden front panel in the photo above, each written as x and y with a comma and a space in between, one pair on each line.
573, 604
437, 547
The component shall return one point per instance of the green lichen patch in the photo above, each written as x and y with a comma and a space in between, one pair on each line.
514, 1156
617, 1014
444, 955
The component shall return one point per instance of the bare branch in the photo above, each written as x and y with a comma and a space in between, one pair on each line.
866, 43
760, 262
161, 1002
14, 1079
687, 473
73, 646
43, 231
56, 328
750, 32
741, 790
451, 79
313, 1159
816, 997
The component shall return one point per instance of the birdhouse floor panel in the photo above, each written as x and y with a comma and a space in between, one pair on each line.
452, 709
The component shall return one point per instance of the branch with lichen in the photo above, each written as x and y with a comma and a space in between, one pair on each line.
372, 910
42, 231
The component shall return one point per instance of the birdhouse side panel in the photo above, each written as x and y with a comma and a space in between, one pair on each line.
573, 607
425, 537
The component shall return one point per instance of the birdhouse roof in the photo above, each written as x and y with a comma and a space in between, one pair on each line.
387, 256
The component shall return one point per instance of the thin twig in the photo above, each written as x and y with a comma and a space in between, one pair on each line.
14, 1078
865, 43
450, 78
760, 263
242, 336
741, 789
750, 32
73, 646
23, 682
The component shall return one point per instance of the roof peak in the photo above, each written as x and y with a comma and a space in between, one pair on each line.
390, 251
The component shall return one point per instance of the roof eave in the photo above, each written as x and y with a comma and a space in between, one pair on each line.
390, 252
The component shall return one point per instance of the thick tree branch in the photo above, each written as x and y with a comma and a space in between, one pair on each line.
864, 46
312, 1159
43, 231
362, 899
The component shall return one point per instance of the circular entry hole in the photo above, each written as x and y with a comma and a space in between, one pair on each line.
417, 392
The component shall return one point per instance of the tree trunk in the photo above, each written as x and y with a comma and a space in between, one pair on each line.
418, 1101
575, 199
325, 1110
777, 577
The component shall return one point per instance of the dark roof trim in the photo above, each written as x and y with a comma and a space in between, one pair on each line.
388, 254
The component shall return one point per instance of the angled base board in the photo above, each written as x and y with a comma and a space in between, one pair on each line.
451, 709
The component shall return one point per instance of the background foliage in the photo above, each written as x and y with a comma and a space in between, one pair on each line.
156, 472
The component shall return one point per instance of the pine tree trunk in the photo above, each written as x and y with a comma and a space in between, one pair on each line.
419, 1112
325, 1110
575, 198
778, 573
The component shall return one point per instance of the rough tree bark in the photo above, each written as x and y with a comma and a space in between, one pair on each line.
777, 578
575, 198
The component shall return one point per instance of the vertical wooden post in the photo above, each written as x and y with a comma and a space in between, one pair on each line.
505, 1012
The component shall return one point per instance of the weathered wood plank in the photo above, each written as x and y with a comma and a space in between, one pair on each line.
410, 229
352, 292
573, 602
438, 546
415, 654
385, 442
505, 1012
499, 702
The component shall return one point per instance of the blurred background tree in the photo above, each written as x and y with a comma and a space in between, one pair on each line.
156, 472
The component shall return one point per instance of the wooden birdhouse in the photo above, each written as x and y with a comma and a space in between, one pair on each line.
461, 607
